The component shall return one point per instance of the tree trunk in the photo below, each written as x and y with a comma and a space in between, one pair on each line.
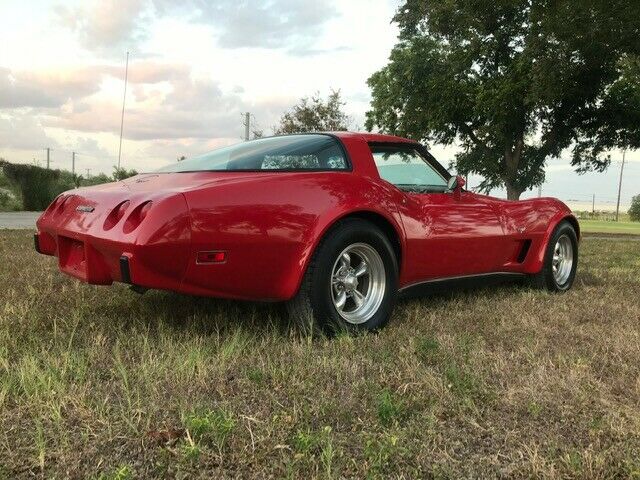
513, 193
511, 160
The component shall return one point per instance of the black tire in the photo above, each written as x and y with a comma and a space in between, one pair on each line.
313, 307
545, 279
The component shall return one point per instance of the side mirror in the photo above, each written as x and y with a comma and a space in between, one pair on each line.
455, 183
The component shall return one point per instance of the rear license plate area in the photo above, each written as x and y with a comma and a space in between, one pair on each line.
72, 256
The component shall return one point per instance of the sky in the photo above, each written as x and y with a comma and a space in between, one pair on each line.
195, 66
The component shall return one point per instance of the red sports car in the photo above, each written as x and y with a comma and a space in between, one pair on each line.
335, 224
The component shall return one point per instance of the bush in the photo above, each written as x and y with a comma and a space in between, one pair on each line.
120, 173
634, 211
27, 187
37, 186
8, 202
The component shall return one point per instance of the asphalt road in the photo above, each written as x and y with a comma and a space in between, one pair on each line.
16, 220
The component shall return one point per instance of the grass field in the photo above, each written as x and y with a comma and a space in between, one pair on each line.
506, 382
597, 226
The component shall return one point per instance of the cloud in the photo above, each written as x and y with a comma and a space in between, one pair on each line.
271, 24
106, 26
23, 132
190, 108
46, 89
113, 26
90, 147
53, 89
149, 71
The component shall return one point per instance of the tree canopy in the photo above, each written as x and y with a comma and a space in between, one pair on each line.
515, 82
313, 114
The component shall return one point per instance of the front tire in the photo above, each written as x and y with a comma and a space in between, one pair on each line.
351, 282
560, 261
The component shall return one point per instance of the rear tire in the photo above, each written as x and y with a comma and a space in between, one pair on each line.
560, 261
351, 282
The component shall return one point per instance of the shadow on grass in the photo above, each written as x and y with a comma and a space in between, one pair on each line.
192, 314
212, 316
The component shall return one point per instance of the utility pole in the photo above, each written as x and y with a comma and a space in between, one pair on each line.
88, 172
539, 190
593, 204
73, 163
624, 153
247, 123
48, 156
124, 98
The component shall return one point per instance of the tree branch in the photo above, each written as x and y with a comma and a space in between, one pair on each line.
468, 131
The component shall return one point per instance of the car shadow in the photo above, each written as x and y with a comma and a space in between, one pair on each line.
199, 315
212, 316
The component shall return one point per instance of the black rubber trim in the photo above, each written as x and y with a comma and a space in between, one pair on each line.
450, 284
36, 243
125, 273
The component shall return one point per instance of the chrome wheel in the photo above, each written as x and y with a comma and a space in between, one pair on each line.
562, 262
358, 283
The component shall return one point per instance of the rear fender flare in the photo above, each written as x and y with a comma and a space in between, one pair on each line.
324, 227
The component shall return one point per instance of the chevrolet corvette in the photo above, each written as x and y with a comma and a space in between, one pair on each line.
337, 225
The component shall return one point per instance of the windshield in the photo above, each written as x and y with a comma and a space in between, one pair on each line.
407, 169
295, 152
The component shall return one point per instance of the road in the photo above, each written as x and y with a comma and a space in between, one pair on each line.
16, 220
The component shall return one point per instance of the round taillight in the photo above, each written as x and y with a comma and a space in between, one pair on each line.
54, 204
136, 217
115, 215
62, 202
144, 210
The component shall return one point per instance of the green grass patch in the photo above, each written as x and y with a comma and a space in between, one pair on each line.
599, 226
99, 382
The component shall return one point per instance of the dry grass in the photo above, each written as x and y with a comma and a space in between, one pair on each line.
507, 382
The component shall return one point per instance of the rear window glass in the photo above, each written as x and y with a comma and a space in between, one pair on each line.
295, 152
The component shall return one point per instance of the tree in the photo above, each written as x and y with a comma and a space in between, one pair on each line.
313, 114
515, 82
634, 211
96, 180
77, 180
120, 173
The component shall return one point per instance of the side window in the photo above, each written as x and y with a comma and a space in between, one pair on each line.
405, 168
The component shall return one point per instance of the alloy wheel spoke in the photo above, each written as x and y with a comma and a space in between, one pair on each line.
341, 299
358, 298
362, 269
345, 260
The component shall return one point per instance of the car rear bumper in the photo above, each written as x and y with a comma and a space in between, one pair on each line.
99, 261
154, 255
